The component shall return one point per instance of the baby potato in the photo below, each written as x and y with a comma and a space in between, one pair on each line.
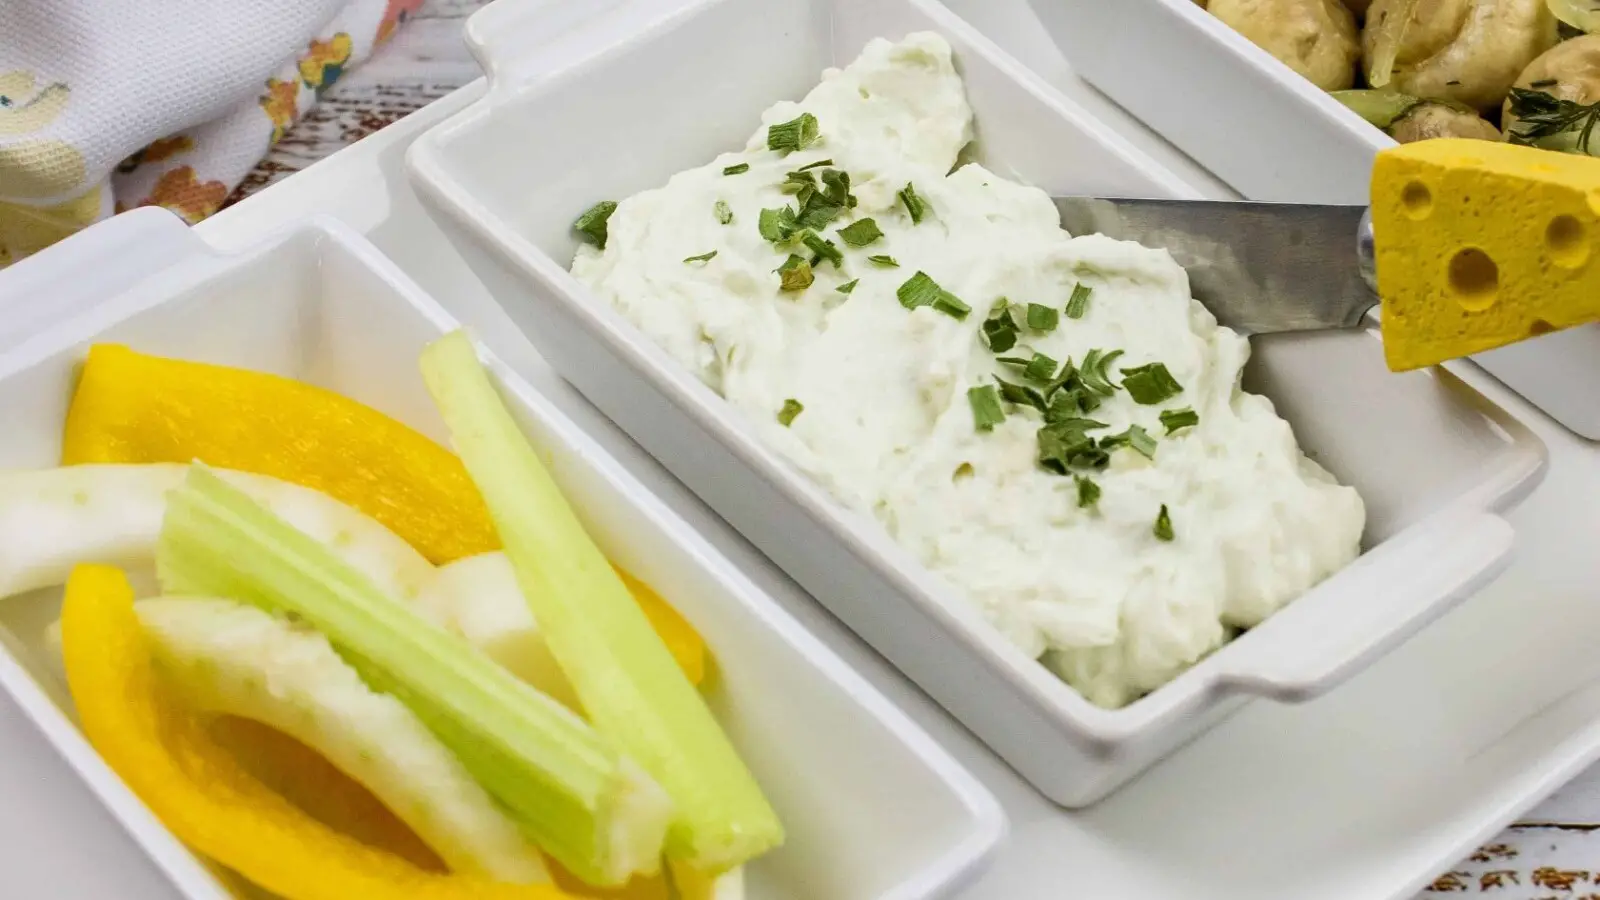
1316, 38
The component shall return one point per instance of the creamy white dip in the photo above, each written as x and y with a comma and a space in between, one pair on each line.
887, 427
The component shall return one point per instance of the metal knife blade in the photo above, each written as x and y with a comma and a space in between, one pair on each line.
1259, 267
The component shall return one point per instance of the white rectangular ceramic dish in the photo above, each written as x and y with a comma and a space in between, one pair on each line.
874, 809
507, 176
1273, 135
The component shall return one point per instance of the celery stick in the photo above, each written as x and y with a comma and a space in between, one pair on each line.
566, 786
623, 674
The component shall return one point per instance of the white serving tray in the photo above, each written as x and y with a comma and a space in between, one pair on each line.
1365, 794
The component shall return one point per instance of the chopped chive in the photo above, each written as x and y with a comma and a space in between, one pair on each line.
836, 187
1163, 526
1544, 83
885, 261
1175, 419
824, 249
791, 408
799, 182
1150, 384
592, 224
1093, 373
1063, 405
920, 290
1066, 444
771, 225
1000, 329
816, 165
1078, 303
1042, 318
724, 213
795, 274
848, 286
1088, 492
817, 211
736, 169
1018, 361
913, 203
986, 409
795, 134
1040, 368
704, 257
1136, 437
860, 233
1021, 394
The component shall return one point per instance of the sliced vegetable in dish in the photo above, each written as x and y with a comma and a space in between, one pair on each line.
199, 791
584, 803
624, 676
130, 407
323, 661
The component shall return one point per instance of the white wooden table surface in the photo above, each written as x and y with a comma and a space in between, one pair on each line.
1553, 855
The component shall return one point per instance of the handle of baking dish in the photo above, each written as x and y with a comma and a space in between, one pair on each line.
73, 275
515, 43
1373, 605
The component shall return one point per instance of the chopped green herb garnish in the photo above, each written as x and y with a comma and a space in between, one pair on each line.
1042, 318
913, 203
1175, 419
823, 248
1136, 437
817, 212
816, 165
1088, 492
1093, 373
1021, 394
795, 273
1064, 405
795, 134
1540, 116
1150, 384
1544, 83
860, 233
1000, 329
986, 409
1163, 526
920, 290
736, 169
1040, 368
802, 183
791, 408
724, 213
1078, 303
704, 257
1066, 445
885, 261
592, 224
775, 225
836, 187
848, 286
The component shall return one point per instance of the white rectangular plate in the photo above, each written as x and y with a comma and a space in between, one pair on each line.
1366, 793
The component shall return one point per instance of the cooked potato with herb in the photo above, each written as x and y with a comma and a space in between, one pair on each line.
1465, 51
1556, 101
1438, 120
1316, 38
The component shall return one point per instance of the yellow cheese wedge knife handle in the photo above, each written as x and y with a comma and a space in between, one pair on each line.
1474, 245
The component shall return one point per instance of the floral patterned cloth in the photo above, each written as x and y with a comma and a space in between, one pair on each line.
108, 106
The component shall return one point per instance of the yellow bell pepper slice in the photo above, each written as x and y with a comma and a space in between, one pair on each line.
199, 790
134, 408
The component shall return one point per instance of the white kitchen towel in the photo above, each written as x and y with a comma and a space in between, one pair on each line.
105, 105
